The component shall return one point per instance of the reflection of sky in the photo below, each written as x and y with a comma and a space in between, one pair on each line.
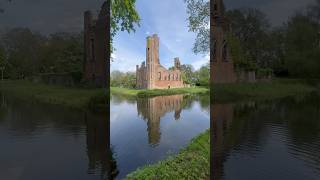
166, 18
129, 135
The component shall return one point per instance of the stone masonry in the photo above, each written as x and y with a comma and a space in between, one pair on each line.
152, 75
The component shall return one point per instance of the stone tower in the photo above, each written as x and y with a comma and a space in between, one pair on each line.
97, 47
177, 64
152, 59
221, 64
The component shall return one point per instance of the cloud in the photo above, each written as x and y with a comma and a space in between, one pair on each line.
198, 64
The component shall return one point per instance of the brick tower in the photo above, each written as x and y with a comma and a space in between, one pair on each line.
152, 59
221, 64
96, 47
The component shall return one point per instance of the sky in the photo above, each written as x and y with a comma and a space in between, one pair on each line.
167, 18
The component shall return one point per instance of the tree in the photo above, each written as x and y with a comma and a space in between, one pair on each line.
251, 27
120, 79
203, 75
22, 51
302, 48
124, 17
199, 20
187, 72
62, 52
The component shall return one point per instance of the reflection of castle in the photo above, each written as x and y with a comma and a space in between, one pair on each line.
221, 118
152, 109
98, 146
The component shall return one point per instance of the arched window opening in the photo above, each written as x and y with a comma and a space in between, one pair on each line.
224, 51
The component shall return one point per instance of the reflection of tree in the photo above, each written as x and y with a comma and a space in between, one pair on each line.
245, 127
152, 109
233, 125
27, 117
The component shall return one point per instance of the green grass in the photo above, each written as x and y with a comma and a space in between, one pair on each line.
59, 95
95, 98
158, 92
262, 90
193, 162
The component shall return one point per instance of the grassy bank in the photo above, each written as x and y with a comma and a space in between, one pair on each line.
193, 162
263, 90
70, 97
158, 92
83, 98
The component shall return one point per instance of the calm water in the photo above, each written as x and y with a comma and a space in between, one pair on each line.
48, 142
277, 139
144, 131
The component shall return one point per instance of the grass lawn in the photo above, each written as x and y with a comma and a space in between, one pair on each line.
59, 95
193, 162
158, 92
95, 98
262, 90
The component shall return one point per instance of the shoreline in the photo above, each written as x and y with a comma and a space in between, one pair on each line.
195, 156
81, 98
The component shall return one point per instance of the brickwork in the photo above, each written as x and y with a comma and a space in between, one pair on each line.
96, 46
221, 63
152, 75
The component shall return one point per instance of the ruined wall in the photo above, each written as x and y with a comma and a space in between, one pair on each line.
152, 75
96, 47
221, 64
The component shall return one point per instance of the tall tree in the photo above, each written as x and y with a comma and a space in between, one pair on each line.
124, 17
302, 47
22, 51
199, 22
251, 26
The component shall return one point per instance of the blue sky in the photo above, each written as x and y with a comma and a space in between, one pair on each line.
168, 19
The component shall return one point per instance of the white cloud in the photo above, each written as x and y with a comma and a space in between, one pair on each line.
198, 64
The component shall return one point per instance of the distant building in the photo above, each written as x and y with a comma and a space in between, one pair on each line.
152, 75
97, 47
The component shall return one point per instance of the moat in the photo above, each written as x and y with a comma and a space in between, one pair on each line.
273, 139
53, 142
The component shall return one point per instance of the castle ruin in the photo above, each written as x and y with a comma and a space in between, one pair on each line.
221, 63
97, 47
152, 75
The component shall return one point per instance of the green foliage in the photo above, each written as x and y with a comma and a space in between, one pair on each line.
27, 53
52, 94
302, 47
203, 76
124, 17
199, 19
125, 80
193, 162
187, 73
251, 27
240, 58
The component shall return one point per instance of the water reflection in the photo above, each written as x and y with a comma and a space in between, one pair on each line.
277, 139
41, 141
153, 128
152, 109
